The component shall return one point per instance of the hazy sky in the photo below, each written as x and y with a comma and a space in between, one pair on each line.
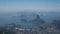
13, 5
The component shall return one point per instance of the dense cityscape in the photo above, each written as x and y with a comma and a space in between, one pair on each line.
43, 28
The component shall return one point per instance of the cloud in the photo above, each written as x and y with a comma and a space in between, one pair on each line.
37, 8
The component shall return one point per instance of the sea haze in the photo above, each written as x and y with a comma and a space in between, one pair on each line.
14, 17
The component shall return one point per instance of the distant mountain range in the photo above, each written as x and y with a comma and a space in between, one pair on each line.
14, 17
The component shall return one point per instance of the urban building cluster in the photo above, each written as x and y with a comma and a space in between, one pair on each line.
43, 29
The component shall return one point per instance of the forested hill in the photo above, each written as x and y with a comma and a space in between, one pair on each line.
15, 17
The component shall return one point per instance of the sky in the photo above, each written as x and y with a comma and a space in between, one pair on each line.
16, 5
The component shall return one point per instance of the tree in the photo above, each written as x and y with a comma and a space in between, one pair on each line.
5, 31
56, 24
